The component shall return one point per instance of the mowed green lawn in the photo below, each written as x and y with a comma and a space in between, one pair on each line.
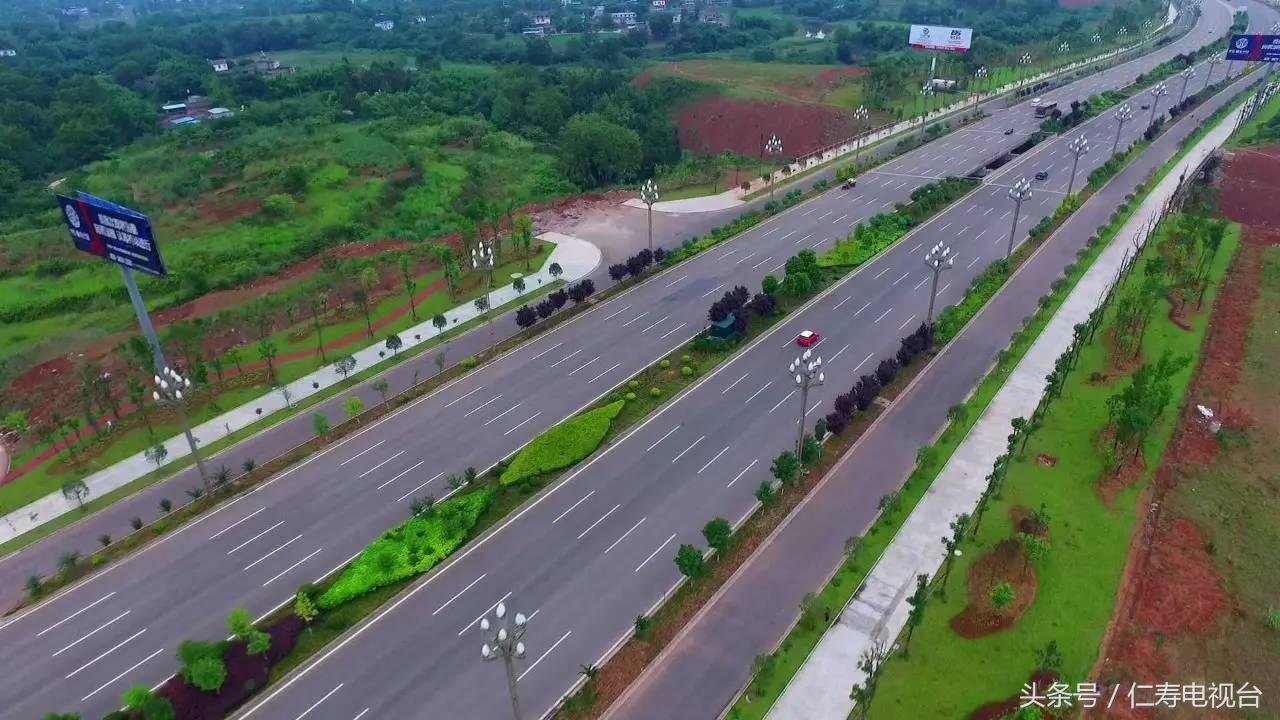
949, 677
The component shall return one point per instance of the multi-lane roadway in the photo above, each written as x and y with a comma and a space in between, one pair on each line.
584, 558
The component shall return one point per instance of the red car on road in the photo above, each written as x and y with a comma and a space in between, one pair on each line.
808, 338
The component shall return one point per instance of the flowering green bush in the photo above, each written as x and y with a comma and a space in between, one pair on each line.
563, 445
410, 549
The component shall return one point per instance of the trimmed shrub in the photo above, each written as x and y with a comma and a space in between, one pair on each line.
412, 548
563, 445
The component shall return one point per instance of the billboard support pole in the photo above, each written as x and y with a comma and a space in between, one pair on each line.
149, 331
144, 320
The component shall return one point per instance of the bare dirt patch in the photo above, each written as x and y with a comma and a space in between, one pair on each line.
1041, 680
1046, 460
715, 124
836, 76
1174, 619
1004, 563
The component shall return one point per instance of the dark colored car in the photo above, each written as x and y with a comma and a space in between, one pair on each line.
1009, 131
1042, 175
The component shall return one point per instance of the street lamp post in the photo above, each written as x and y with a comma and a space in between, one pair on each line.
1079, 146
1213, 62
772, 147
502, 641
482, 260
938, 259
926, 92
1025, 61
169, 390
978, 76
1064, 47
1186, 79
1020, 191
649, 194
807, 371
1097, 38
860, 120
1157, 92
1123, 115
1122, 31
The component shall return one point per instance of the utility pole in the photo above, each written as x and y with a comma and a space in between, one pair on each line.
807, 373
502, 640
1079, 146
938, 259
1123, 115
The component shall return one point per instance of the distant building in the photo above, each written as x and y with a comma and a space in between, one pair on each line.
626, 18
264, 64
534, 30
541, 20
658, 4
174, 109
597, 10
220, 112
675, 16
420, 20
76, 12
6, 52
385, 25
711, 16
220, 66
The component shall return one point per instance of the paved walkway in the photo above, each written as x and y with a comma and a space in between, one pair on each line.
820, 690
732, 197
576, 258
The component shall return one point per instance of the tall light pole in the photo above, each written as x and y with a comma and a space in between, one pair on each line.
1186, 79
1097, 38
807, 371
482, 260
1064, 47
926, 92
1025, 61
1020, 191
1212, 62
502, 641
860, 122
170, 387
1079, 146
1123, 115
772, 147
1157, 92
649, 194
979, 75
938, 259
1122, 32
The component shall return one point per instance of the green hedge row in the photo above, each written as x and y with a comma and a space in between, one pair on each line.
411, 549
563, 445
884, 229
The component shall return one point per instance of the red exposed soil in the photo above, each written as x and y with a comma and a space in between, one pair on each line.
1170, 586
1001, 709
834, 76
1005, 563
714, 124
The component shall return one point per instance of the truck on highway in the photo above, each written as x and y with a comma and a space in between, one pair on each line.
1043, 107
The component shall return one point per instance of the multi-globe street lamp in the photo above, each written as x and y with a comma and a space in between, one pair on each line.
979, 75
1213, 62
1025, 61
170, 387
1186, 79
1157, 92
1020, 191
860, 121
649, 195
1122, 31
772, 148
482, 260
1064, 47
1097, 38
938, 259
1078, 146
926, 92
807, 372
503, 640
1123, 115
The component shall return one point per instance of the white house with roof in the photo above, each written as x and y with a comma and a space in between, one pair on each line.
541, 20
8, 52
385, 25
658, 4
220, 66
627, 18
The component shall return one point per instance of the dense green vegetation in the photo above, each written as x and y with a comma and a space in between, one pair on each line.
410, 549
563, 445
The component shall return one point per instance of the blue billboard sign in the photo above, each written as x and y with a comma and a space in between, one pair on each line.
1255, 48
113, 232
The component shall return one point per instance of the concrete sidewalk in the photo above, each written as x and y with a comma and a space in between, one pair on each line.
577, 258
820, 690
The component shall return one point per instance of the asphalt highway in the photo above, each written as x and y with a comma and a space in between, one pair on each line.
593, 552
